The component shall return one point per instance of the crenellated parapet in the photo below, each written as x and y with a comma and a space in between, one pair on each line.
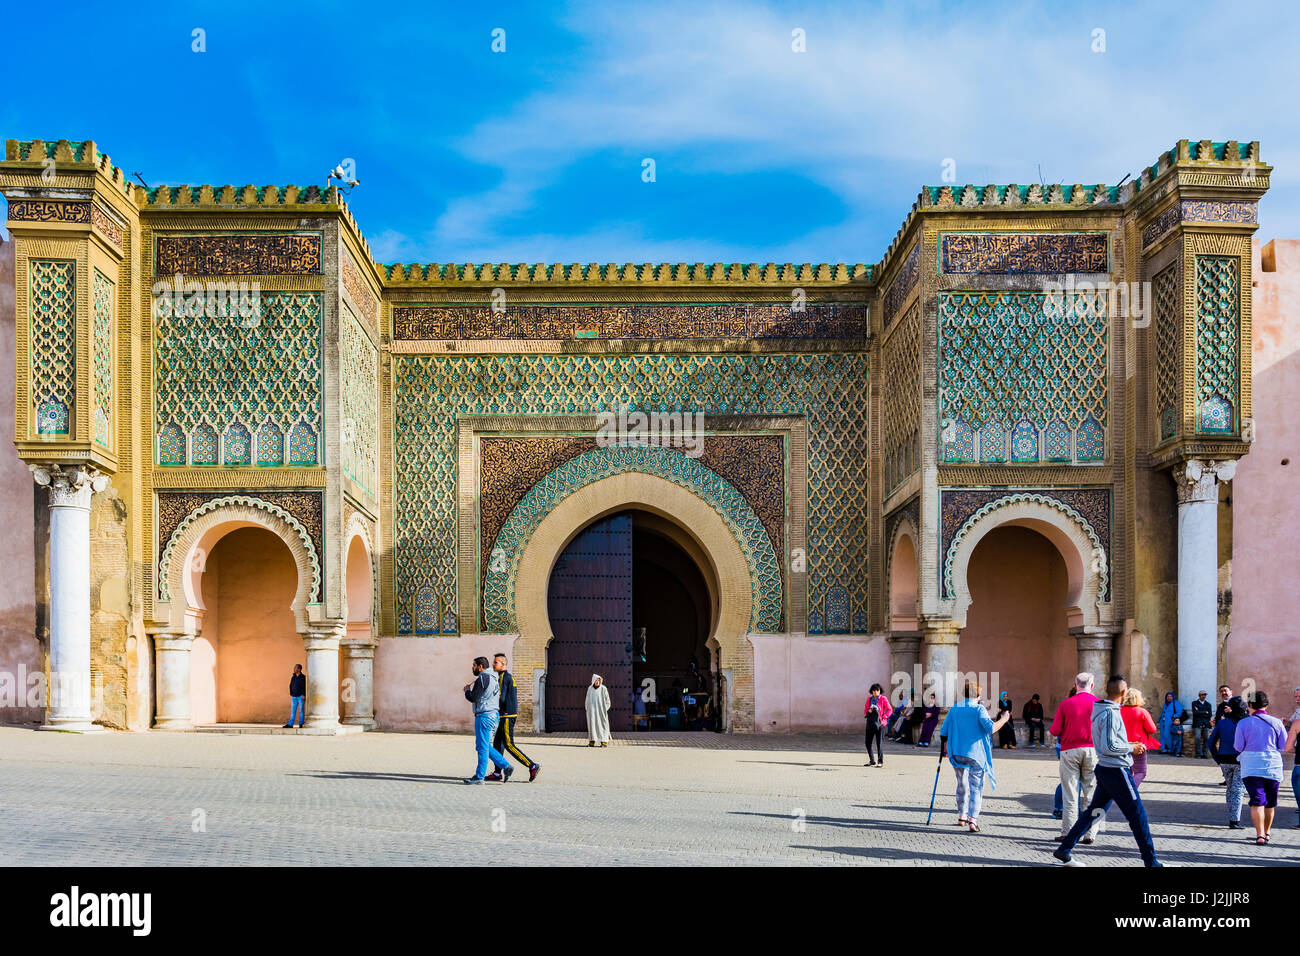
787, 274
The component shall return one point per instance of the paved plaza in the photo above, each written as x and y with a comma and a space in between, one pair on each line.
649, 799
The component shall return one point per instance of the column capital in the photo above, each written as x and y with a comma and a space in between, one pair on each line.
357, 647
1197, 479
173, 641
323, 636
70, 486
941, 631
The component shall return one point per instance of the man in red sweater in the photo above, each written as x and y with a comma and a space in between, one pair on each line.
1072, 725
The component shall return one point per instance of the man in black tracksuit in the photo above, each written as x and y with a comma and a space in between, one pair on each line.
505, 738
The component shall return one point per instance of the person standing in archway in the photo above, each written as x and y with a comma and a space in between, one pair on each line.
509, 713
297, 696
598, 704
1033, 717
1171, 726
1007, 735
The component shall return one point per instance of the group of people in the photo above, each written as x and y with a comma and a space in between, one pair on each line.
1102, 745
906, 719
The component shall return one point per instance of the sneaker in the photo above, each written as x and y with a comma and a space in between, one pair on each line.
473, 780
288, 726
1064, 859
1235, 825
1058, 814
869, 763
533, 771
505, 774
493, 776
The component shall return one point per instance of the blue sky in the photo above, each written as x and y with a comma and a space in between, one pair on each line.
761, 153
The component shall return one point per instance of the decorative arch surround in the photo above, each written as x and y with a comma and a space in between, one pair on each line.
501, 581
696, 518
904, 527
180, 563
1086, 559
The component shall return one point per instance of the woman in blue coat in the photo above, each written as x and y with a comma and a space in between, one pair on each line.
1171, 726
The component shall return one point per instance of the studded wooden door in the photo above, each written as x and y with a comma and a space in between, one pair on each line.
589, 600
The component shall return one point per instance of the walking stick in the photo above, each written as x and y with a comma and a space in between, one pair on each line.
935, 791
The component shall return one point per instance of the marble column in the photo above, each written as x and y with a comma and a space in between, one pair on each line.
1197, 485
172, 669
70, 487
322, 645
358, 701
1095, 649
905, 658
939, 653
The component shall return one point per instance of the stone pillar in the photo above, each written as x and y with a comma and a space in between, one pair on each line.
358, 704
939, 653
904, 656
172, 667
1095, 648
1197, 485
71, 487
322, 645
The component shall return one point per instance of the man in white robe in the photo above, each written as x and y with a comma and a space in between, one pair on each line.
597, 712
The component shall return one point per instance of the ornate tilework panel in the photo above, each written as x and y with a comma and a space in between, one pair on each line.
1218, 290
223, 368
901, 400
752, 320
270, 444
764, 566
1023, 254
171, 445
360, 291
203, 445
48, 210
957, 507
360, 428
306, 508
237, 445
1056, 441
1166, 292
102, 339
1209, 210
908, 273
1003, 360
430, 391
269, 254
1024, 442
53, 316
302, 444
1160, 225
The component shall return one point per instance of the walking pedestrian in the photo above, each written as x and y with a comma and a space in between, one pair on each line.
297, 696
1171, 726
1033, 718
504, 741
1223, 748
876, 711
1225, 694
1202, 720
1293, 745
1114, 779
931, 720
484, 692
1140, 729
1072, 725
966, 740
1007, 735
1259, 740
597, 712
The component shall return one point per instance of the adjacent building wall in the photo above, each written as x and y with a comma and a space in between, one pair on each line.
1264, 644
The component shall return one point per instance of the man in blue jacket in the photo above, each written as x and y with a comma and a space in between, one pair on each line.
1114, 778
484, 693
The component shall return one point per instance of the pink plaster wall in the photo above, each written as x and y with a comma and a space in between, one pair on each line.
1016, 624
1264, 643
419, 681
249, 582
829, 683
20, 652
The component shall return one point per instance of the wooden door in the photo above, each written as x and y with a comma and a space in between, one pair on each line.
589, 600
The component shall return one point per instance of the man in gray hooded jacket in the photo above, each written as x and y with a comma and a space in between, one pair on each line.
1114, 778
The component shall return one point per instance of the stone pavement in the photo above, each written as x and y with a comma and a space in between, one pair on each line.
650, 799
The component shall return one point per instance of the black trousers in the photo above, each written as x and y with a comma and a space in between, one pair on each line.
876, 733
1036, 727
504, 742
